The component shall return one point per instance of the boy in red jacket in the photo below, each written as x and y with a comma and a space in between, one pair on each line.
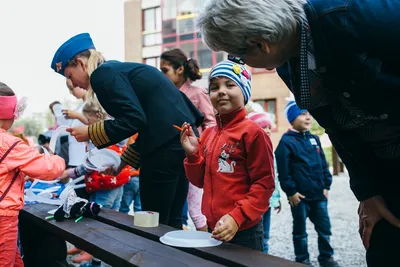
233, 163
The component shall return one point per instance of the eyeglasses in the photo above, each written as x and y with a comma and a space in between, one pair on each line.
236, 59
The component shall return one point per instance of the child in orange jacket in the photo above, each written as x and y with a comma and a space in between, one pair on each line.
17, 160
233, 163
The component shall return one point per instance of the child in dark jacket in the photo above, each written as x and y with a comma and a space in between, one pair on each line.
233, 163
305, 178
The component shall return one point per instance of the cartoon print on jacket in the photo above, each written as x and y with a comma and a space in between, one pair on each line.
223, 164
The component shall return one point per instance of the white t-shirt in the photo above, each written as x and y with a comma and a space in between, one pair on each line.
76, 150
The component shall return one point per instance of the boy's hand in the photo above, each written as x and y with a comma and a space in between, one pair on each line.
295, 199
188, 139
326, 193
225, 229
279, 207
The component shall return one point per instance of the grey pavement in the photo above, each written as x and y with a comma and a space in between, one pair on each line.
342, 208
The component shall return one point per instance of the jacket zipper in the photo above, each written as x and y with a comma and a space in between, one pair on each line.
215, 141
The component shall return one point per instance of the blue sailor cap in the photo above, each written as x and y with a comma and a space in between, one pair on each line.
69, 50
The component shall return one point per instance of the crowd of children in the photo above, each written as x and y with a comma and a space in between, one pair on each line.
228, 158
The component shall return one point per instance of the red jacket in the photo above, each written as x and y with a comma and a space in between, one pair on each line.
235, 167
97, 181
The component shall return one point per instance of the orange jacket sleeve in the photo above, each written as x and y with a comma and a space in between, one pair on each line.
34, 164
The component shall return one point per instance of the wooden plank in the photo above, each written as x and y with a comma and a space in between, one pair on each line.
114, 246
226, 254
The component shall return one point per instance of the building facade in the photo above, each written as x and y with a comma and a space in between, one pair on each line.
154, 26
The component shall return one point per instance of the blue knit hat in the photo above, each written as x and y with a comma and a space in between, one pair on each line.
69, 50
237, 73
292, 111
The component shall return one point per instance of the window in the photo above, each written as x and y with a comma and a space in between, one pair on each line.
269, 106
152, 26
204, 56
152, 39
220, 56
169, 27
152, 61
186, 25
152, 19
188, 49
169, 9
186, 7
199, 5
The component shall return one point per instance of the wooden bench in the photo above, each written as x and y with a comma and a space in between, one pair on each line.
113, 245
225, 254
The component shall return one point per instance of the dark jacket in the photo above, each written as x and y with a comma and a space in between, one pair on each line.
302, 165
356, 47
141, 100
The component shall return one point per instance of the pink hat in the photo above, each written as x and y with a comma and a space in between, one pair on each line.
262, 119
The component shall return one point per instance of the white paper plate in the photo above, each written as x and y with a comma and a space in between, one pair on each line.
189, 239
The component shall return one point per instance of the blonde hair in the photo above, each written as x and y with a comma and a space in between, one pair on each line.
93, 59
93, 108
249, 108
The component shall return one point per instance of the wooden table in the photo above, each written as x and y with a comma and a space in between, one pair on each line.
114, 239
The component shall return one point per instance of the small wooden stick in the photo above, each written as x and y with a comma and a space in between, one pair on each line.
180, 129
177, 127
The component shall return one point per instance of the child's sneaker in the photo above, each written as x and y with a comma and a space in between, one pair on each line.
329, 263
306, 262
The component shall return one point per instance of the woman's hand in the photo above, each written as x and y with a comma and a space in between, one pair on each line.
370, 212
189, 140
70, 114
80, 133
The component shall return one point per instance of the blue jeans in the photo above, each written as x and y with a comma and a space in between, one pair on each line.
131, 193
250, 238
185, 217
109, 199
267, 226
317, 211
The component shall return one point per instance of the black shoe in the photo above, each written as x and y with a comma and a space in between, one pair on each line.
306, 262
329, 263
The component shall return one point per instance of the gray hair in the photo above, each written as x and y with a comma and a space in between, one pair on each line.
226, 24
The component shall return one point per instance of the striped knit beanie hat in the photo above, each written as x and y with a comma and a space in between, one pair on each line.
237, 73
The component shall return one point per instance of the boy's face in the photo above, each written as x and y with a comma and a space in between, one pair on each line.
303, 122
267, 130
226, 96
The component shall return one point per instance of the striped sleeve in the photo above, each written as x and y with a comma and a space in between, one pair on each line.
131, 157
98, 135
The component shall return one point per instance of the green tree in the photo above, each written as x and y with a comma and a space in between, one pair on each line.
316, 128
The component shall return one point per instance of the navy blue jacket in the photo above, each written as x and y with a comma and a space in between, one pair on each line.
302, 165
357, 56
142, 100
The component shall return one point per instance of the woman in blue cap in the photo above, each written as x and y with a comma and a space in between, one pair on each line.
141, 100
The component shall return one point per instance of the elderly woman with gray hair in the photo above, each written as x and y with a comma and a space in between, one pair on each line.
340, 59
